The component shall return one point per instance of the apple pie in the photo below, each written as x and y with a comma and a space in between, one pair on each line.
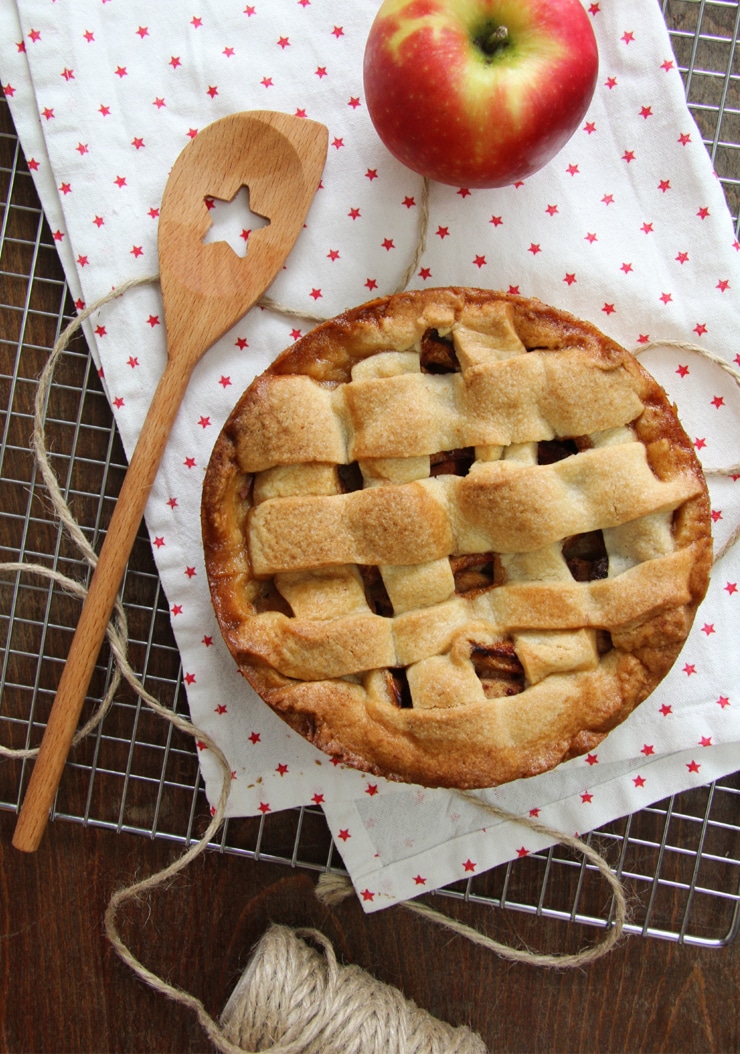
455, 536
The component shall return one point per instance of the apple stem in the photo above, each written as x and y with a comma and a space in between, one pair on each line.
496, 40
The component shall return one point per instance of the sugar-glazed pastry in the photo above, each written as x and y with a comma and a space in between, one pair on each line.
455, 536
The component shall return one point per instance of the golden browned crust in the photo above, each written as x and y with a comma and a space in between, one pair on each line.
455, 629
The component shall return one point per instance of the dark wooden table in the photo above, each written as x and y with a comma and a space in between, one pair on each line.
62, 988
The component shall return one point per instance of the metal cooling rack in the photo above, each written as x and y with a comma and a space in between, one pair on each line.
680, 859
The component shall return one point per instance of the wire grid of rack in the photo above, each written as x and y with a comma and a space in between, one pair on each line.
680, 859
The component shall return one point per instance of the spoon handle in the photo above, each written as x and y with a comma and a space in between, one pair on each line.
97, 608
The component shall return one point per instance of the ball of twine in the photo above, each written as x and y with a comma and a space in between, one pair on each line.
296, 999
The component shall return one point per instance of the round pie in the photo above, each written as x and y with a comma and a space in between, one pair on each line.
455, 536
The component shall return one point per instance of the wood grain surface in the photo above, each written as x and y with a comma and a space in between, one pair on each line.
62, 988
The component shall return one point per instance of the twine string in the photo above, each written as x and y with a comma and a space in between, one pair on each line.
421, 237
710, 356
732, 470
333, 887
116, 632
245, 1003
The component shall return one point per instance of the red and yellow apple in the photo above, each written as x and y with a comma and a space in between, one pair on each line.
479, 93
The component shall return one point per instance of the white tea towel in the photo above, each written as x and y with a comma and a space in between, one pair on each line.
626, 227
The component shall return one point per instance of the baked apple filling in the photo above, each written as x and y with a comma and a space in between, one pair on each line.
499, 669
437, 353
586, 556
452, 462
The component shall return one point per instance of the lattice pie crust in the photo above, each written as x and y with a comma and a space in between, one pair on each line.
454, 536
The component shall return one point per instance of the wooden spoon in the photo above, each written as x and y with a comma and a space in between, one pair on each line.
206, 289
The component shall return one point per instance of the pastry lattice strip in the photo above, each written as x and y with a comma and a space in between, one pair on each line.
525, 398
422, 521
353, 639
